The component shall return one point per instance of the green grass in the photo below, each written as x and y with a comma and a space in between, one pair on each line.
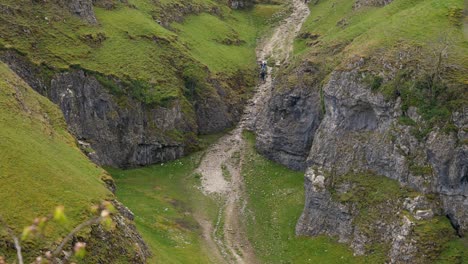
40, 165
129, 43
438, 242
405, 36
276, 200
369, 28
226, 44
164, 199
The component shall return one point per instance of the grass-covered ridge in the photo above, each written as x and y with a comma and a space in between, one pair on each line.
362, 31
149, 42
414, 50
40, 165
157, 196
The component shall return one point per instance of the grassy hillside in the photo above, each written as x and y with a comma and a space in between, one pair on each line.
164, 199
40, 165
140, 42
365, 30
416, 50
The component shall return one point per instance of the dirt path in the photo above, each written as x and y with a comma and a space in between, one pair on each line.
221, 166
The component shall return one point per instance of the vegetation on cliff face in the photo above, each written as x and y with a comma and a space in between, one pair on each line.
414, 54
41, 167
275, 201
412, 49
133, 42
199, 54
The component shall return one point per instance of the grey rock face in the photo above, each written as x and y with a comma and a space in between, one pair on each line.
363, 3
122, 135
129, 135
329, 216
287, 124
81, 8
240, 4
215, 112
360, 132
121, 132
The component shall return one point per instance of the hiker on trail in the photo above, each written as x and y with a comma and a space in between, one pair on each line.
263, 70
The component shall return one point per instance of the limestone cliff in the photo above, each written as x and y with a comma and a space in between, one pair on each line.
361, 133
378, 134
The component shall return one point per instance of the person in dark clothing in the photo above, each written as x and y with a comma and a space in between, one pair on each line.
263, 75
263, 70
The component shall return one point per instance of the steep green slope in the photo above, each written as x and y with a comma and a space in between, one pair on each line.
414, 48
194, 60
165, 200
131, 43
41, 167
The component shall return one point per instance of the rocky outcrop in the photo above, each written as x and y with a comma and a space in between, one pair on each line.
360, 133
119, 131
289, 120
123, 243
221, 107
363, 3
115, 129
176, 12
128, 134
81, 8
240, 4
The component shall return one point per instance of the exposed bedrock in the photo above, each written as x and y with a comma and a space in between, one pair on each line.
360, 136
81, 8
116, 130
286, 126
240, 4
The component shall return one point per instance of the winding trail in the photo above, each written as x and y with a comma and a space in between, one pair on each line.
221, 166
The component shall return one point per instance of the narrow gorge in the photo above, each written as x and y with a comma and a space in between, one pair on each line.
140, 131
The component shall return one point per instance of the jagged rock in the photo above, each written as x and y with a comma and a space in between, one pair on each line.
81, 8
424, 214
403, 248
240, 4
329, 217
122, 133
363, 3
287, 124
360, 132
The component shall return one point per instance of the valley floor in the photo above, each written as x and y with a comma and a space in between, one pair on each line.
218, 205
167, 199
